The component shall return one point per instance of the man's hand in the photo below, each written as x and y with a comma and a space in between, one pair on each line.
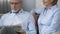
22, 32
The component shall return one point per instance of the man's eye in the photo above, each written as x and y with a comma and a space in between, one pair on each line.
14, 3
11, 3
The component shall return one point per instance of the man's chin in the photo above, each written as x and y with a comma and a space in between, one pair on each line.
14, 10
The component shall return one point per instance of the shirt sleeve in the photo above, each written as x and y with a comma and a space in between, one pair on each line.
0, 23
55, 24
37, 11
2, 19
31, 25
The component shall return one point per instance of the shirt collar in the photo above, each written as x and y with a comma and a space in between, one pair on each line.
52, 8
20, 11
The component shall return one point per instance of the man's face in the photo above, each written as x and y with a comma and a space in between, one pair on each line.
16, 5
47, 2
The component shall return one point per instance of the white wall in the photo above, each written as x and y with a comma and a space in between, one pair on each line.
59, 3
39, 4
28, 4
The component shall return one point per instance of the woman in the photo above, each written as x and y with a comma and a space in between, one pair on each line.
49, 19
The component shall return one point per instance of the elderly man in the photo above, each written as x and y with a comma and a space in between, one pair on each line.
19, 17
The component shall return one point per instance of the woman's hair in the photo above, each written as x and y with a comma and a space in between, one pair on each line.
54, 2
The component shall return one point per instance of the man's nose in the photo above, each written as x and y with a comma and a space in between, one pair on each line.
13, 5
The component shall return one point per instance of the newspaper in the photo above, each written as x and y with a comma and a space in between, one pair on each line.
9, 29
